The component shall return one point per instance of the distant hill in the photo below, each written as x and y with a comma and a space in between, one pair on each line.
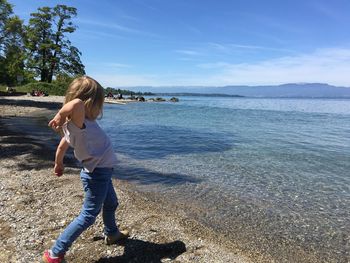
289, 90
314, 90
197, 94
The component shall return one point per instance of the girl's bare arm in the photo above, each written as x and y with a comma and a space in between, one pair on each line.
74, 109
60, 152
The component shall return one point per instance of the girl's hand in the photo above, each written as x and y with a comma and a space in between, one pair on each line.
56, 122
58, 169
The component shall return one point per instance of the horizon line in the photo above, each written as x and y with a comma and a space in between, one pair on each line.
231, 85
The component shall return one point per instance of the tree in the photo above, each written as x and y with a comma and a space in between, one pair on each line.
12, 53
50, 51
5, 13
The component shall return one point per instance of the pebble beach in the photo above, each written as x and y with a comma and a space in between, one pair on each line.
36, 206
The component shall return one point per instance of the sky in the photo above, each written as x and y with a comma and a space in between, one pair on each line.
127, 43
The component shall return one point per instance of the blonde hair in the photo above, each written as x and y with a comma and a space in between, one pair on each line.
90, 92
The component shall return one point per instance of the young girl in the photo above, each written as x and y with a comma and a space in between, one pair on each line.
77, 118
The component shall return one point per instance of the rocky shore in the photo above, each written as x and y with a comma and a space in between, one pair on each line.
36, 206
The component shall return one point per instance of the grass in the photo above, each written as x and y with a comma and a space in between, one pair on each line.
48, 88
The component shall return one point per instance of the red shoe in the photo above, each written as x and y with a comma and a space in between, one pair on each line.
47, 258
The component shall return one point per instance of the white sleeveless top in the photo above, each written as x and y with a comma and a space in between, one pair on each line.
92, 147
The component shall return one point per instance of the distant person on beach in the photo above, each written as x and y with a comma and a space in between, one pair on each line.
38, 93
92, 147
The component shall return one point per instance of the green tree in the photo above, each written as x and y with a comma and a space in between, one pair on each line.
50, 51
12, 53
5, 13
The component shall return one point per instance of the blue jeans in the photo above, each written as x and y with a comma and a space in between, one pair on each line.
99, 194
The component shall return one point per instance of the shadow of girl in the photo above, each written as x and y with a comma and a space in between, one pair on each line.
147, 252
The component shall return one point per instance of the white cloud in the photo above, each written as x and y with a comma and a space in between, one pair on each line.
211, 49
326, 65
228, 48
188, 52
90, 34
115, 26
116, 65
107, 25
127, 80
330, 66
215, 65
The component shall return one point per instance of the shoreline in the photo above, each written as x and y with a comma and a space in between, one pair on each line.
60, 99
35, 203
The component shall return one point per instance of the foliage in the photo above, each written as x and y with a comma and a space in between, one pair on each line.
40, 49
5, 13
2, 88
63, 80
50, 51
12, 54
48, 88
126, 92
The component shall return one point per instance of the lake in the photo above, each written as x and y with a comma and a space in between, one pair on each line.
271, 174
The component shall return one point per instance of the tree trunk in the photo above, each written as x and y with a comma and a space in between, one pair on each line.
44, 75
49, 77
54, 56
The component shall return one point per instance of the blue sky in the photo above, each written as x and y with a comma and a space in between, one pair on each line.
209, 42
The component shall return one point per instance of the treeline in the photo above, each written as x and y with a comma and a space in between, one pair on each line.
127, 92
40, 50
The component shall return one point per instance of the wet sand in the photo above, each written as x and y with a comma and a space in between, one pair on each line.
36, 205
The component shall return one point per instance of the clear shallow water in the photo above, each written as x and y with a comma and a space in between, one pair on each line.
272, 174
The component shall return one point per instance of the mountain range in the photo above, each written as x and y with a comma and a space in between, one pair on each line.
307, 90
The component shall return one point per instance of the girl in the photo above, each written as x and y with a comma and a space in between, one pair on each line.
77, 118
